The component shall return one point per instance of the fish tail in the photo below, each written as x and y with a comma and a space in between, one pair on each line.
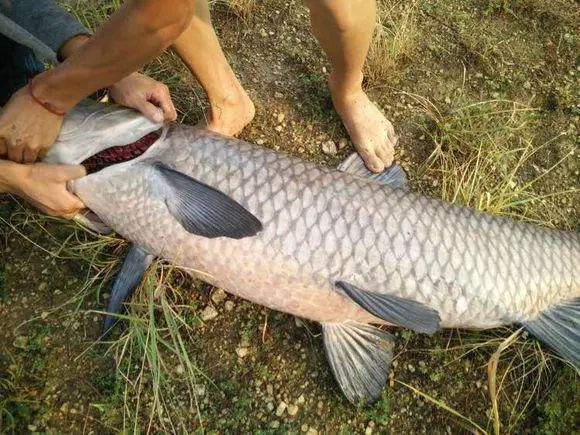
559, 327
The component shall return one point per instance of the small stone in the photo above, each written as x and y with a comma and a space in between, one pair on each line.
32, 428
527, 85
260, 141
44, 315
20, 342
179, 369
312, 431
278, 95
270, 406
218, 296
278, 128
447, 100
280, 117
304, 428
229, 305
281, 408
329, 148
275, 424
242, 351
301, 400
269, 389
369, 430
411, 368
43, 286
209, 313
342, 143
199, 390
292, 410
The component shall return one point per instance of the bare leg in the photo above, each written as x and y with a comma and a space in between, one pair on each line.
230, 106
344, 30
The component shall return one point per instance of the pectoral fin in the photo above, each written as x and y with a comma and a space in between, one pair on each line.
136, 263
360, 358
203, 210
393, 309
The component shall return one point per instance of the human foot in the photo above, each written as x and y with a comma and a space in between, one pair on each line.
371, 133
230, 112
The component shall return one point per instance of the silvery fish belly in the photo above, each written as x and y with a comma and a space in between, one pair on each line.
343, 247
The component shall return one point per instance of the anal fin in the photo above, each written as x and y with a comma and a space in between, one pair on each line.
393, 309
360, 357
136, 263
559, 328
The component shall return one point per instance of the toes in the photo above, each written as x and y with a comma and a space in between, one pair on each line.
373, 161
385, 153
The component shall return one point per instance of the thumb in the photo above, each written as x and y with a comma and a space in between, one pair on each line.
71, 172
151, 111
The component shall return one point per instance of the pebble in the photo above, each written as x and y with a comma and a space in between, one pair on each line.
242, 351
270, 406
342, 143
278, 95
312, 431
275, 424
280, 117
209, 313
179, 369
304, 428
229, 306
301, 400
218, 296
199, 390
260, 141
43, 286
292, 410
269, 389
329, 148
278, 128
32, 428
281, 408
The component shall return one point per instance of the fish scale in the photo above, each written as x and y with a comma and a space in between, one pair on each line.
462, 254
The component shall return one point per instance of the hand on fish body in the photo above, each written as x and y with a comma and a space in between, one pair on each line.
347, 248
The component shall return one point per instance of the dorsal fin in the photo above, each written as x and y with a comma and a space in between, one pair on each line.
393, 176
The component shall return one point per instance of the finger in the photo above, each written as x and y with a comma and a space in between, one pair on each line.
15, 153
166, 103
151, 112
29, 155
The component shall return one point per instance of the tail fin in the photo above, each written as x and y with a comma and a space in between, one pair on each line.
559, 328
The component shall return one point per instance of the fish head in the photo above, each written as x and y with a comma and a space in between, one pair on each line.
92, 127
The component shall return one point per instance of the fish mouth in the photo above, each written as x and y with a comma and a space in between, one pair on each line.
120, 154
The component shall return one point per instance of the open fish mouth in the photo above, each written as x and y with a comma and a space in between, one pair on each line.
120, 154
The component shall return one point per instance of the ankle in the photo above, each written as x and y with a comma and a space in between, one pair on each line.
345, 86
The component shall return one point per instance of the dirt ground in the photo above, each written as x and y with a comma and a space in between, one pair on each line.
263, 371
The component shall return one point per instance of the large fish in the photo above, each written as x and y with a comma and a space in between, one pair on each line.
342, 247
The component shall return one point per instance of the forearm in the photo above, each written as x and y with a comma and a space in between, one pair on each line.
11, 176
138, 32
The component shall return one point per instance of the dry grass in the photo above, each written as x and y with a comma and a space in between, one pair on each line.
395, 40
241, 8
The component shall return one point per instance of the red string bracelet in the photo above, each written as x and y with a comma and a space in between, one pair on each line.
44, 104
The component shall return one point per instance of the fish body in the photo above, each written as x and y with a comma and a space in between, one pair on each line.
333, 246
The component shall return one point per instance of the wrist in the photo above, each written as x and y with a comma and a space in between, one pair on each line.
54, 87
12, 176
72, 45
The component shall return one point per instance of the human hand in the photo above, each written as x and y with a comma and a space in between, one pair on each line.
27, 130
148, 96
44, 186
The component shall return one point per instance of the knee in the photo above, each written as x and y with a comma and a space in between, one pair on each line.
339, 13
